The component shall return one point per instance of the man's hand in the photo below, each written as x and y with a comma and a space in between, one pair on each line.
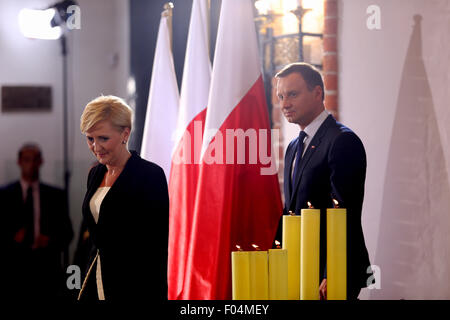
323, 290
42, 241
20, 235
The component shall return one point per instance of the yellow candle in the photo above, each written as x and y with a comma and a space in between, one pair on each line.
337, 254
259, 275
278, 274
291, 242
309, 257
240, 271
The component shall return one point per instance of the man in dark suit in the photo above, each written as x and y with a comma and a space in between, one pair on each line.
326, 161
35, 233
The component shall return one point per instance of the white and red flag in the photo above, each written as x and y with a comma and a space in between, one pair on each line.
188, 143
238, 197
162, 107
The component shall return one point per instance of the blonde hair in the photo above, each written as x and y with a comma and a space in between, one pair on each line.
110, 108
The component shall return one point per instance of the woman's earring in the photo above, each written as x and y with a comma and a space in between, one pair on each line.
124, 142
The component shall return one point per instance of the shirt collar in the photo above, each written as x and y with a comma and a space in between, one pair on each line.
34, 185
312, 128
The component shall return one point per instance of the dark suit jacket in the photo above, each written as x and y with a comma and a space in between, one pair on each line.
131, 234
38, 271
334, 167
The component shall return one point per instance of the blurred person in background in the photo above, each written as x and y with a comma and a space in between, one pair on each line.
35, 233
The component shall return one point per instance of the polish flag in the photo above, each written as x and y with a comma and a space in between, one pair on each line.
163, 99
186, 157
238, 198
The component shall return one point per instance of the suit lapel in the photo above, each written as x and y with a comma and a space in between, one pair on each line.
92, 188
17, 199
313, 145
18, 192
126, 172
44, 220
287, 172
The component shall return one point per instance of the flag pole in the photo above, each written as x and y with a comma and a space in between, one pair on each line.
163, 99
208, 28
168, 12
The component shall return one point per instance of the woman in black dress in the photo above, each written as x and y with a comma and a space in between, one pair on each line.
126, 209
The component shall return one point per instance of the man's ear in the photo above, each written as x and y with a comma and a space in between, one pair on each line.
318, 93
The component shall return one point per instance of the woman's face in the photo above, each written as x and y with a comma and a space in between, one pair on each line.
105, 142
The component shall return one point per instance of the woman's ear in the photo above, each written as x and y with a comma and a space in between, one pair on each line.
126, 134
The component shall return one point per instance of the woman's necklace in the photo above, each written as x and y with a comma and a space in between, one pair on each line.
111, 176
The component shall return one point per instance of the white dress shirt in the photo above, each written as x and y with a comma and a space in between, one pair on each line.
310, 131
94, 205
36, 205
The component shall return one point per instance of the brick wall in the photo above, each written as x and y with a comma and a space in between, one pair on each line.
330, 57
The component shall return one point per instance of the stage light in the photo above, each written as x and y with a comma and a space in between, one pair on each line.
37, 24
49, 23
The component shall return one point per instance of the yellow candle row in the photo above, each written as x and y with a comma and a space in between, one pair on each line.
259, 275
301, 238
293, 272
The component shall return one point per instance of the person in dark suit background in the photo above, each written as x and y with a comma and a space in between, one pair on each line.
36, 232
126, 210
326, 161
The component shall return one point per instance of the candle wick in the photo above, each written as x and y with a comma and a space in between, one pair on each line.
277, 244
256, 247
335, 203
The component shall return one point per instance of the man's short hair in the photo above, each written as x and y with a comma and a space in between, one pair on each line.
29, 145
309, 73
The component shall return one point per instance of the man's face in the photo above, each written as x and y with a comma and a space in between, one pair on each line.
298, 104
29, 162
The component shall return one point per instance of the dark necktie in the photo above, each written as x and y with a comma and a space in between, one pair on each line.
298, 157
29, 217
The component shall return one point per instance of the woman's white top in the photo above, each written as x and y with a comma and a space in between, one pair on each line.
94, 205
